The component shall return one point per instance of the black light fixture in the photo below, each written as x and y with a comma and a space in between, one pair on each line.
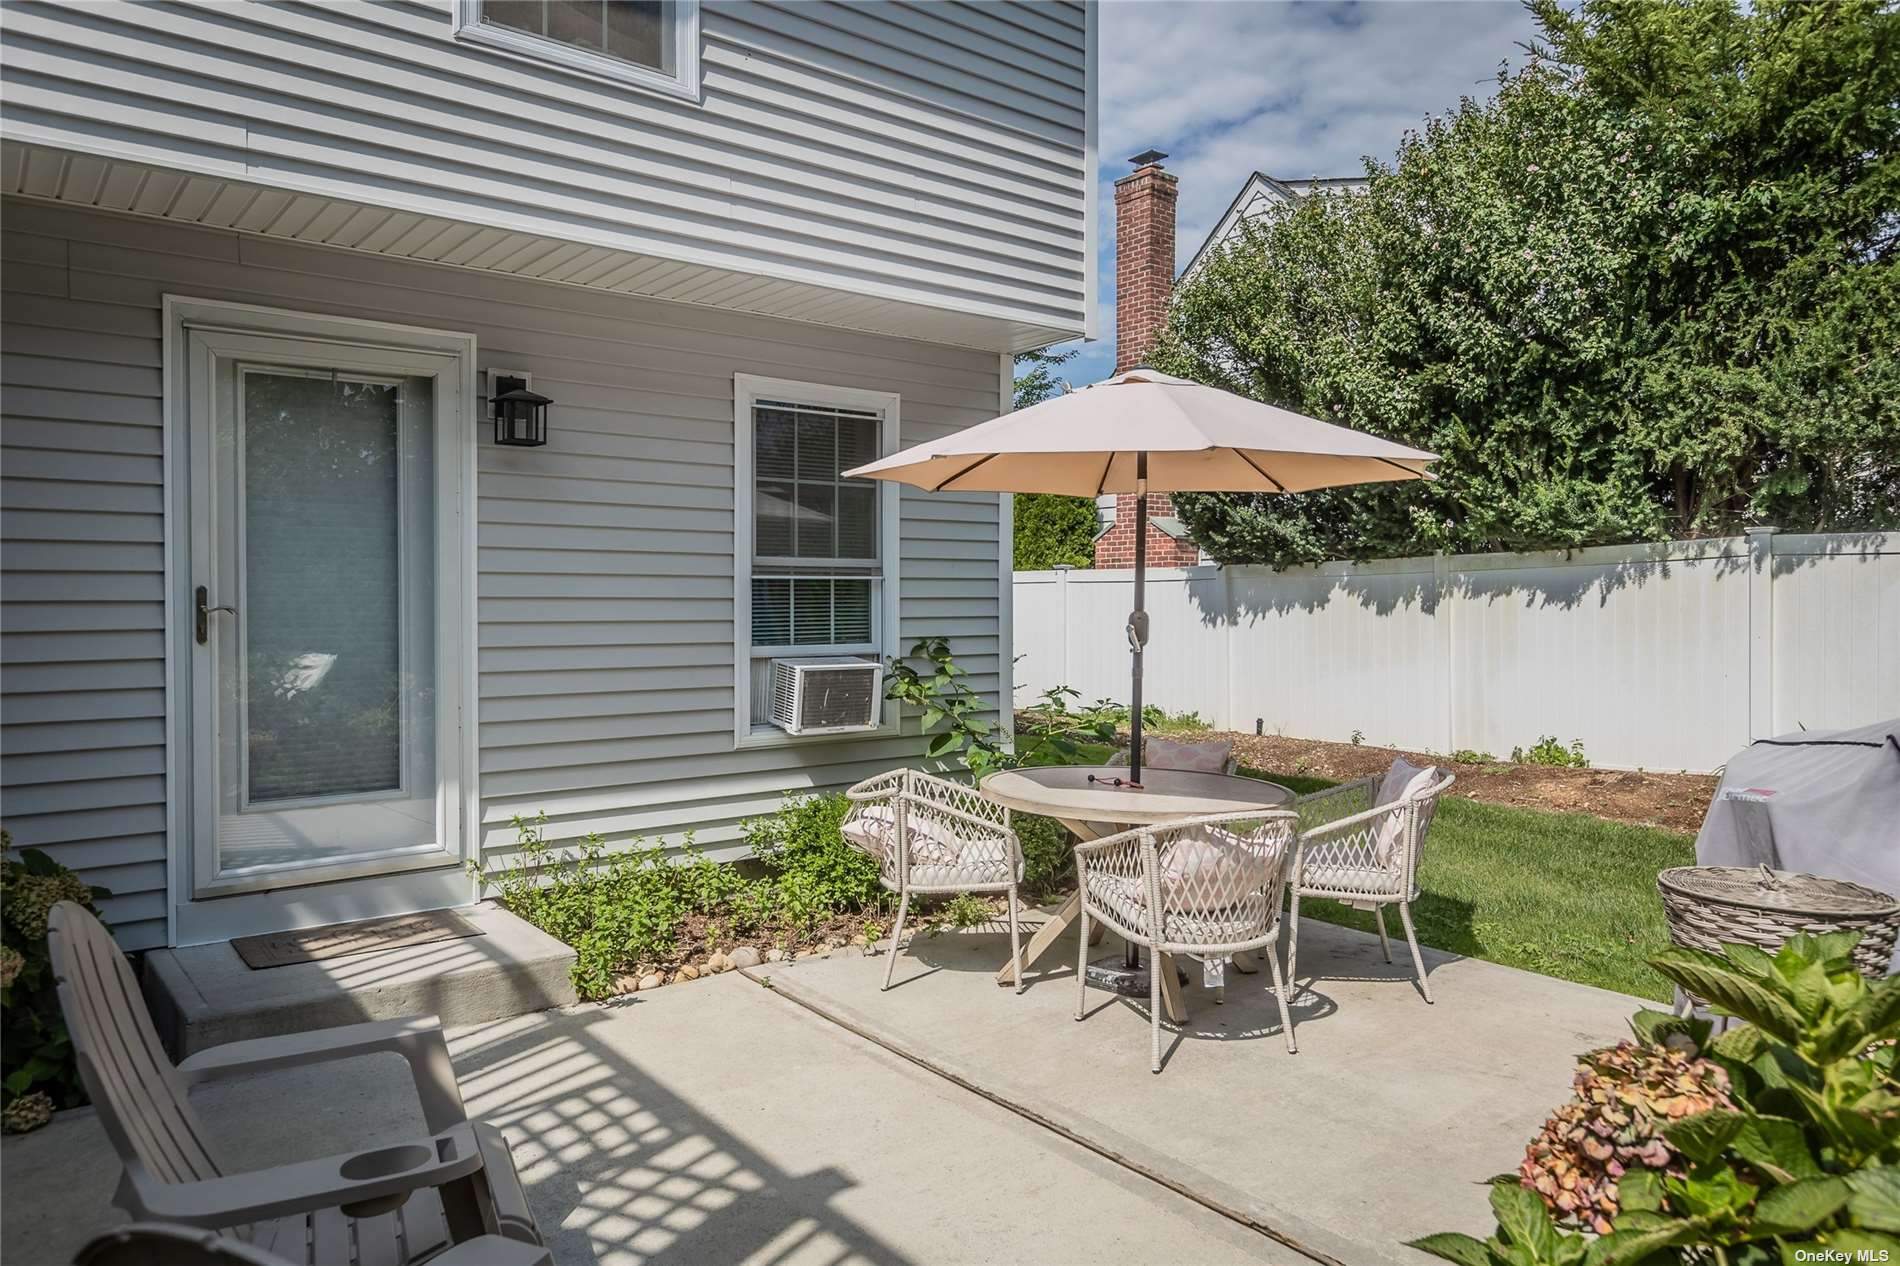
521, 416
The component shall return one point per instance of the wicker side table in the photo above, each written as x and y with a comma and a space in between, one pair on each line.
1710, 906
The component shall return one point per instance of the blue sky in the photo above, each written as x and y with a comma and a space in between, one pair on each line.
1227, 87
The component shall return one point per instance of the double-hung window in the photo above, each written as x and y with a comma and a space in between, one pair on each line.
649, 43
816, 551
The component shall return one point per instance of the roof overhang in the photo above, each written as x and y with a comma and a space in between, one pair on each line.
211, 200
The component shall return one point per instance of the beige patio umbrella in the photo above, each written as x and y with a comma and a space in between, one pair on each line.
1141, 432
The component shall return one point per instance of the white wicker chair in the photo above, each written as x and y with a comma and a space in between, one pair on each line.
1364, 856
1206, 887
934, 836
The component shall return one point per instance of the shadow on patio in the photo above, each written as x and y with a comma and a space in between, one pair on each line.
613, 1157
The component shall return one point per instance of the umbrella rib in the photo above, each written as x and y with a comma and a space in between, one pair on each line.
1278, 486
961, 473
1396, 466
1102, 483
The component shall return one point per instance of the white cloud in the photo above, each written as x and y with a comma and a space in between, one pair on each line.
1291, 89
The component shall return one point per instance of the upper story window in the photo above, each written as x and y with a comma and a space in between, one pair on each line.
649, 43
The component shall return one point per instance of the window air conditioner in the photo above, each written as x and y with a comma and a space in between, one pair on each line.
833, 695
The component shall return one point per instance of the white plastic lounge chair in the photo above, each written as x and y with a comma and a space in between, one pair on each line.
1207, 887
166, 1244
931, 835
1361, 843
400, 1203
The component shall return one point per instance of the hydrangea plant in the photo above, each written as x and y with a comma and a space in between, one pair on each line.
1627, 1097
36, 1058
1794, 1150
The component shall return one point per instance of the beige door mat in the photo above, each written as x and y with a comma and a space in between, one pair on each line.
341, 940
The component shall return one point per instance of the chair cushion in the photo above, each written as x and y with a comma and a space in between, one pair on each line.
1372, 881
1205, 871
867, 827
1208, 868
1401, 782
872, 828
1210, 756
1120, 897
1206, 757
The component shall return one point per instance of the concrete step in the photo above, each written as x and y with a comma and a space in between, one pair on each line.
205, 995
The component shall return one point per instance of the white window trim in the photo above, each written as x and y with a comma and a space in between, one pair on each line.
468, 25
747, 391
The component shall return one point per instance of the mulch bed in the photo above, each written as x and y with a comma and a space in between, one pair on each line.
1675, 802
695, 959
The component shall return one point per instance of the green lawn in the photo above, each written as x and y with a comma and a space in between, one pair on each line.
1558, 893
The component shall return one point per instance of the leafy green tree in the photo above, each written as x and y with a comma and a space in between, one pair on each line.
1050, 529
1651, 289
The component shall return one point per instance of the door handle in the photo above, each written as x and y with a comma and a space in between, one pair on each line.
204, 614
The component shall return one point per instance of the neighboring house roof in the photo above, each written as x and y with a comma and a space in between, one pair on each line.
1260, 194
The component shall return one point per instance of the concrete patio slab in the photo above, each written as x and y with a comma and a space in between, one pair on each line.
1380, 1130
706, 1123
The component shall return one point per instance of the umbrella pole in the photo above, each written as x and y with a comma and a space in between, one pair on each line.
1138, 619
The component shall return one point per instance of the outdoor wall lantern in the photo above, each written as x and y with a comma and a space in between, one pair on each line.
521, 416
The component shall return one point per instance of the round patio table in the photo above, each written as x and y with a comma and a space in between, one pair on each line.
1094, 801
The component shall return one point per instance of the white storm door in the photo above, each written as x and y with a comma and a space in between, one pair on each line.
325, 481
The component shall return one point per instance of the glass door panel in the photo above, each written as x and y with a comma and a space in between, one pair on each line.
322, 624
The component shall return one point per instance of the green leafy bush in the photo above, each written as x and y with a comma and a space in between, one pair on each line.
802, 848
1053, 531
634, 906
614, 909
1548, 751
967, 910
938, 689
1803, 1159
1048, 854
36, 1055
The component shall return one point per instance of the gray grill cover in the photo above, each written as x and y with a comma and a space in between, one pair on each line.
1823, 802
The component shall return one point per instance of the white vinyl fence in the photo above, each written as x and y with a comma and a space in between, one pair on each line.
1668, 656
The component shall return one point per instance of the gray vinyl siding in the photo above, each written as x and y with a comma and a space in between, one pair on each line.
82, 530
605, 559
931, 153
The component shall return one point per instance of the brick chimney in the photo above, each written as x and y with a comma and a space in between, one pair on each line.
1144, 282
1144, 257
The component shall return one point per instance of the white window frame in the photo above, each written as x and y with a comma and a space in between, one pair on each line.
747, 391
684, 82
